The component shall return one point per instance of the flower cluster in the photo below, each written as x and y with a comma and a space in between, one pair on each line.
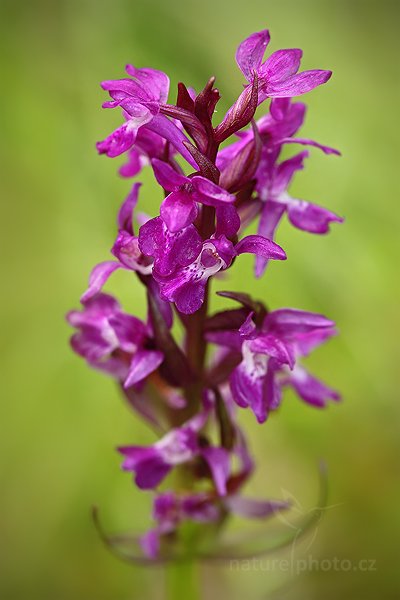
211, 193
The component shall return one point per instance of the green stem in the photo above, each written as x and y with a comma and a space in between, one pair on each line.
182, 581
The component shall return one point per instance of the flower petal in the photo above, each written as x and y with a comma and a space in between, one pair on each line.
118, 141
207, 192
281, 65
307, 142
150, 543
167, 176
161, 125
307, 341
125, 214
298, 84
255, 509
311, 217
170, 250
155, 82
286, 170
311, 390
250, 52
256, 244
287, 321
126, 249
178, 210
143, 363
228, 220
271, 215
272, 346
99, 276
218, 461
189, 297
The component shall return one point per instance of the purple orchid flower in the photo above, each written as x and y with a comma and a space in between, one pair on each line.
273, 179
186, 285
141, 99
113, 341
277, 76
179, 209
171, 509
180, 445
190, 399
269, 357
125, 249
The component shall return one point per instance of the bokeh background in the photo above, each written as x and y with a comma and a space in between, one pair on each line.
60, 422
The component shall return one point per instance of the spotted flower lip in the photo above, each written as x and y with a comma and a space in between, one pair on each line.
185, 286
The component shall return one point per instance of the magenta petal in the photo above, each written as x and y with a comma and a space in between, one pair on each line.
167, 129
218, 461
281, 65
98, 278
126, 249
150, 543
256, 244
279, 108
251, 51
125, 215
307, 142
134, 164
143, 363
149, 475
311, 390
272, 392
189, 297
255, 509
272, 346
228, 221
129, 331
147, 463
298, 84
286, 170
307, 341
170, 250
248, 327
286, 321
167, 176
271, 215
119, 141
156, 83
210, 193
248, 391
245, 389
178, 210
310, 217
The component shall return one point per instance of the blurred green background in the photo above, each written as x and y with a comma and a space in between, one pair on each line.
60, 421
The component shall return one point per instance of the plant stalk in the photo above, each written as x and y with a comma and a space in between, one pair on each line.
182, 581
